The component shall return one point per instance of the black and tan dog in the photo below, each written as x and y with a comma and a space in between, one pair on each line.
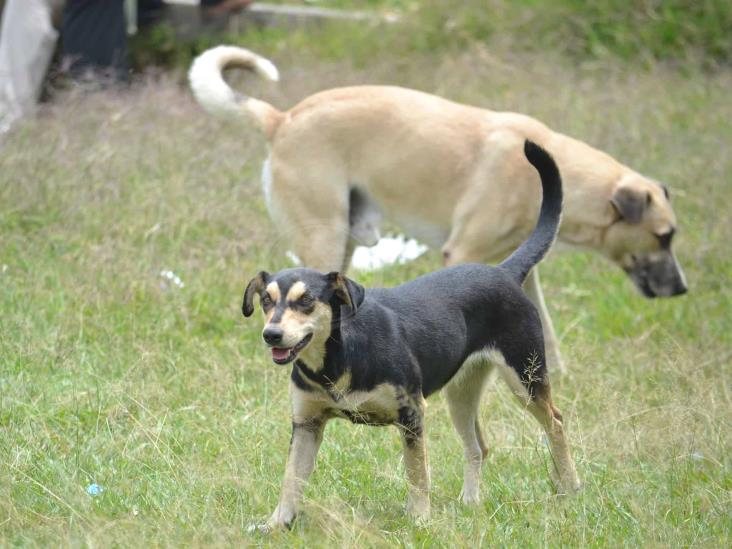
373, 356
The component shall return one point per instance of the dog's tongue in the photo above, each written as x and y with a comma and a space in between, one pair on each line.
280, 354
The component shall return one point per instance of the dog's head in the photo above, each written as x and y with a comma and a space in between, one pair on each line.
300, 307
640, 239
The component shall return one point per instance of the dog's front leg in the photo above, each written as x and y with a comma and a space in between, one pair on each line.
411, 426
306, 438
532, 287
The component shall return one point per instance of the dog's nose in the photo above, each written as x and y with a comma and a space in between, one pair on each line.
272, 335
680, 289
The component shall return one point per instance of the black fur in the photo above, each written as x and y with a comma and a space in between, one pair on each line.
533, 250
417, 335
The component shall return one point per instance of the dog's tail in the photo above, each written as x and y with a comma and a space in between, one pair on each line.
217, 97
534, 248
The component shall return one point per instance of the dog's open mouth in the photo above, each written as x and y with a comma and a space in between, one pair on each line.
283, 355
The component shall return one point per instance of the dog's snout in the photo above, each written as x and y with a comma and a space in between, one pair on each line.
681, 289
272, 335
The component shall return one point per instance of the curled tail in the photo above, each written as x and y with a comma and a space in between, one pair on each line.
534, 248
217, 97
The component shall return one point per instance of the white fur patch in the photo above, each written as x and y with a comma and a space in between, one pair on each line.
266, 68
509, 375
210, 88
476, 360
493, 356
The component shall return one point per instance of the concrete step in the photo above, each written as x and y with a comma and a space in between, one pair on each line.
189, 20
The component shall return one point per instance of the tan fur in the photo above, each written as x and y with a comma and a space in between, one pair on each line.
381, 404
418, 477
296, 291
273, 289
543, 409
470, 158
463, 395
453, 175
306, 439
296, 325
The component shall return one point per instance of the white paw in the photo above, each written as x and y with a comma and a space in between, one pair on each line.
280, 520
568, 485
419, 510
470, 495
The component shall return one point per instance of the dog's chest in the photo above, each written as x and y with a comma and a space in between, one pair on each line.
378, 406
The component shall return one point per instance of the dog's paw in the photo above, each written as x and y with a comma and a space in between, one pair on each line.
566, 486
570, 486
268, 527
281, 519
470, 495
419, 510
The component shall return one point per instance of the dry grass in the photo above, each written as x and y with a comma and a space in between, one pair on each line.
166, 399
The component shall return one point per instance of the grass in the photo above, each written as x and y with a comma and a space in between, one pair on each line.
679, 32
165, 397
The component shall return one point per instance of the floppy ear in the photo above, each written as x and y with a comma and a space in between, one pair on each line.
666, 192
346, 290
255, 286
630, 203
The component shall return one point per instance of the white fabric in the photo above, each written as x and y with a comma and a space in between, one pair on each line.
27, 42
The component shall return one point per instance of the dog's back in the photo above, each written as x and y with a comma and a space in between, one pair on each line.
439, 320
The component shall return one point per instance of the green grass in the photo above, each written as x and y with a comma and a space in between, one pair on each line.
642, 32
167, 399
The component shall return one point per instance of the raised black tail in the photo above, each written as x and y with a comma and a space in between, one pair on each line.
534, 248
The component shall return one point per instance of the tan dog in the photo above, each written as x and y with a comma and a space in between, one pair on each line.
452, 175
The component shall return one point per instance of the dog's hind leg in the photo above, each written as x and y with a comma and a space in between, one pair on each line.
463, 398
310, 209
526, 375
481, 439
548, 415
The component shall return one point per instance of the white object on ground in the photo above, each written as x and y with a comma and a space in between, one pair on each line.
170, 278
387, 251
27, 42
296, 261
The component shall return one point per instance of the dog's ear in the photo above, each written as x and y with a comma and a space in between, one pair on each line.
346, 290
255, 286
666, 192
631, 203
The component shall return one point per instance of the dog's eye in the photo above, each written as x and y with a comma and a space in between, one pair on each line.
306, 300
266, 301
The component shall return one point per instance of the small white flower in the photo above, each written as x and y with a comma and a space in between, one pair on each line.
293, 258
169, 275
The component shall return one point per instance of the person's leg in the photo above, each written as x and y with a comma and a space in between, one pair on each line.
27, 42
94, 38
